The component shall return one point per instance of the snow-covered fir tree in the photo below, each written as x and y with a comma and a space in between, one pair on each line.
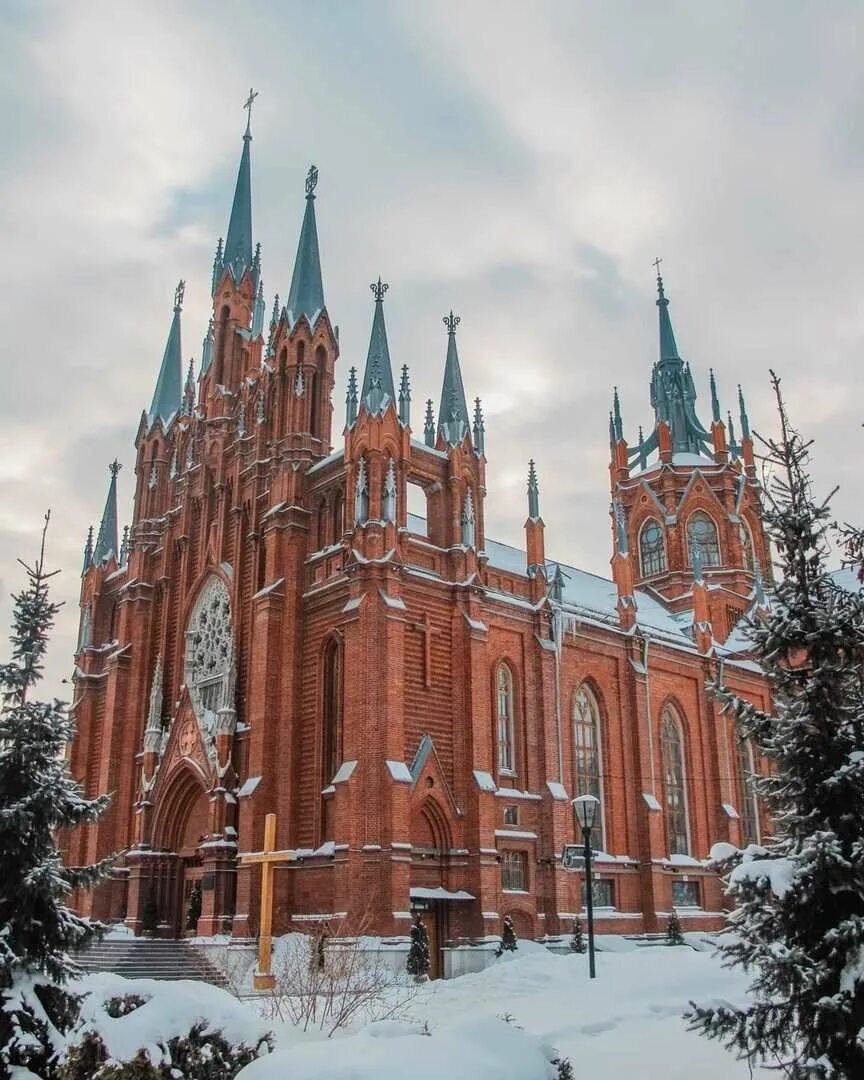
674, 936
38, 799
798, 924
419, 960
577, 940
508, 937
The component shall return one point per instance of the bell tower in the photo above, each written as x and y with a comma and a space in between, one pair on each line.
686, 502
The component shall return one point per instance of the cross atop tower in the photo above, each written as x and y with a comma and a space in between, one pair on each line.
378, 288
247, 105
311, 179
451, 321
114, 468
179, 293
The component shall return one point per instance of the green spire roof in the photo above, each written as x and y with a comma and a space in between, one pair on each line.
453, 420
668, 347
378, 391
168, 396
306, 296
106, 541
237, 255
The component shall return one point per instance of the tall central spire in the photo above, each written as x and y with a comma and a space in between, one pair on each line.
237, 254
668, 346
306, 296
378, 390
453, 420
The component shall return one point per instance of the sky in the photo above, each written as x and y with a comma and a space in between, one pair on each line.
522, 164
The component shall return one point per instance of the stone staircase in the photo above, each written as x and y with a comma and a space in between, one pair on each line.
143, 958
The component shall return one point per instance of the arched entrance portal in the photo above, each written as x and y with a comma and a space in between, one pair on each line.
182, 823
430, 847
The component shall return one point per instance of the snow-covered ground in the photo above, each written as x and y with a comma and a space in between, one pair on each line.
626, 1023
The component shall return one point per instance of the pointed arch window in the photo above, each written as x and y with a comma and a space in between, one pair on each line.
702, 536
331, 718
468, 530
390, 492
338, 516
747, 799
674, 783
652, 548
504, 719
588, 754
747, 545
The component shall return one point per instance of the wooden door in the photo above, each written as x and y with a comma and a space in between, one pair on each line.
433, 928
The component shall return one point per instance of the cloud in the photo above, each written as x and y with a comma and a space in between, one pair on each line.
521, 166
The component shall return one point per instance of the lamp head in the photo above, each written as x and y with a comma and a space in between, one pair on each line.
587, 809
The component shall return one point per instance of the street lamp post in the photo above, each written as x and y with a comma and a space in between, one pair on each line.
586, 808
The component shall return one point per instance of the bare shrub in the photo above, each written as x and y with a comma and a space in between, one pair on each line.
329, 980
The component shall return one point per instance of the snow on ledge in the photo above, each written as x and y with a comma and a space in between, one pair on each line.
400, 772
485, 780
344, 772
557, 791
439, 893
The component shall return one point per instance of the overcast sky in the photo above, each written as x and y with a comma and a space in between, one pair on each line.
522, 163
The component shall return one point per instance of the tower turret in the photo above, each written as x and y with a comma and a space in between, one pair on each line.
306, 295
453, 420
236, 257
378, 392
168, 395
106, 547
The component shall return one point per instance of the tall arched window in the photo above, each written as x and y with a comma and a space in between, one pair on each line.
702, 536
674, 783
587, 753
652, 548
331, 718
746, 545
504, 714
746, 793
338, 516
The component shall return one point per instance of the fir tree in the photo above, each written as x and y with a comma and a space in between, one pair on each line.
799, 920
38, 798
673, 930
419, 960
508, 937
577, 941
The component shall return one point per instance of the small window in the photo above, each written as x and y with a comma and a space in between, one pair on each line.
748, 801
746, 545
702, 537
511, 815
602, 892
652, 550
685, 894
514, 871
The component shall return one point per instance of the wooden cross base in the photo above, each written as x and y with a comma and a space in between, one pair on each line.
263, 979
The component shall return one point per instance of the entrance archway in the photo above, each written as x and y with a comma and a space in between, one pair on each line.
181, 823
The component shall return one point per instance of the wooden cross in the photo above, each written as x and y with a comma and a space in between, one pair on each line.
263, 978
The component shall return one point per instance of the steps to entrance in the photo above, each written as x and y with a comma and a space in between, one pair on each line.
142, 958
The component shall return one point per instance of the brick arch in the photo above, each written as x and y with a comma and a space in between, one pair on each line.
183, 789
198, 585
429, 821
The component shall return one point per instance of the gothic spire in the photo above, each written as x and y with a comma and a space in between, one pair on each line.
237, 255
429, 424
405, 398
715, 401
668, 347
453, 421
479, 428
189, 390
742, 410
306, 296
88, 551
533, 492
378, 391
351, 398
106, 541
168, 396
616, 413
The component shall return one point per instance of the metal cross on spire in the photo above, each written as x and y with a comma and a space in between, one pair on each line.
247, 105
179, 293
656, 264
114, 468
451, 321
311, 179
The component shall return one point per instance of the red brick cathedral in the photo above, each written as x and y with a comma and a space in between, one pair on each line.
416, 702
